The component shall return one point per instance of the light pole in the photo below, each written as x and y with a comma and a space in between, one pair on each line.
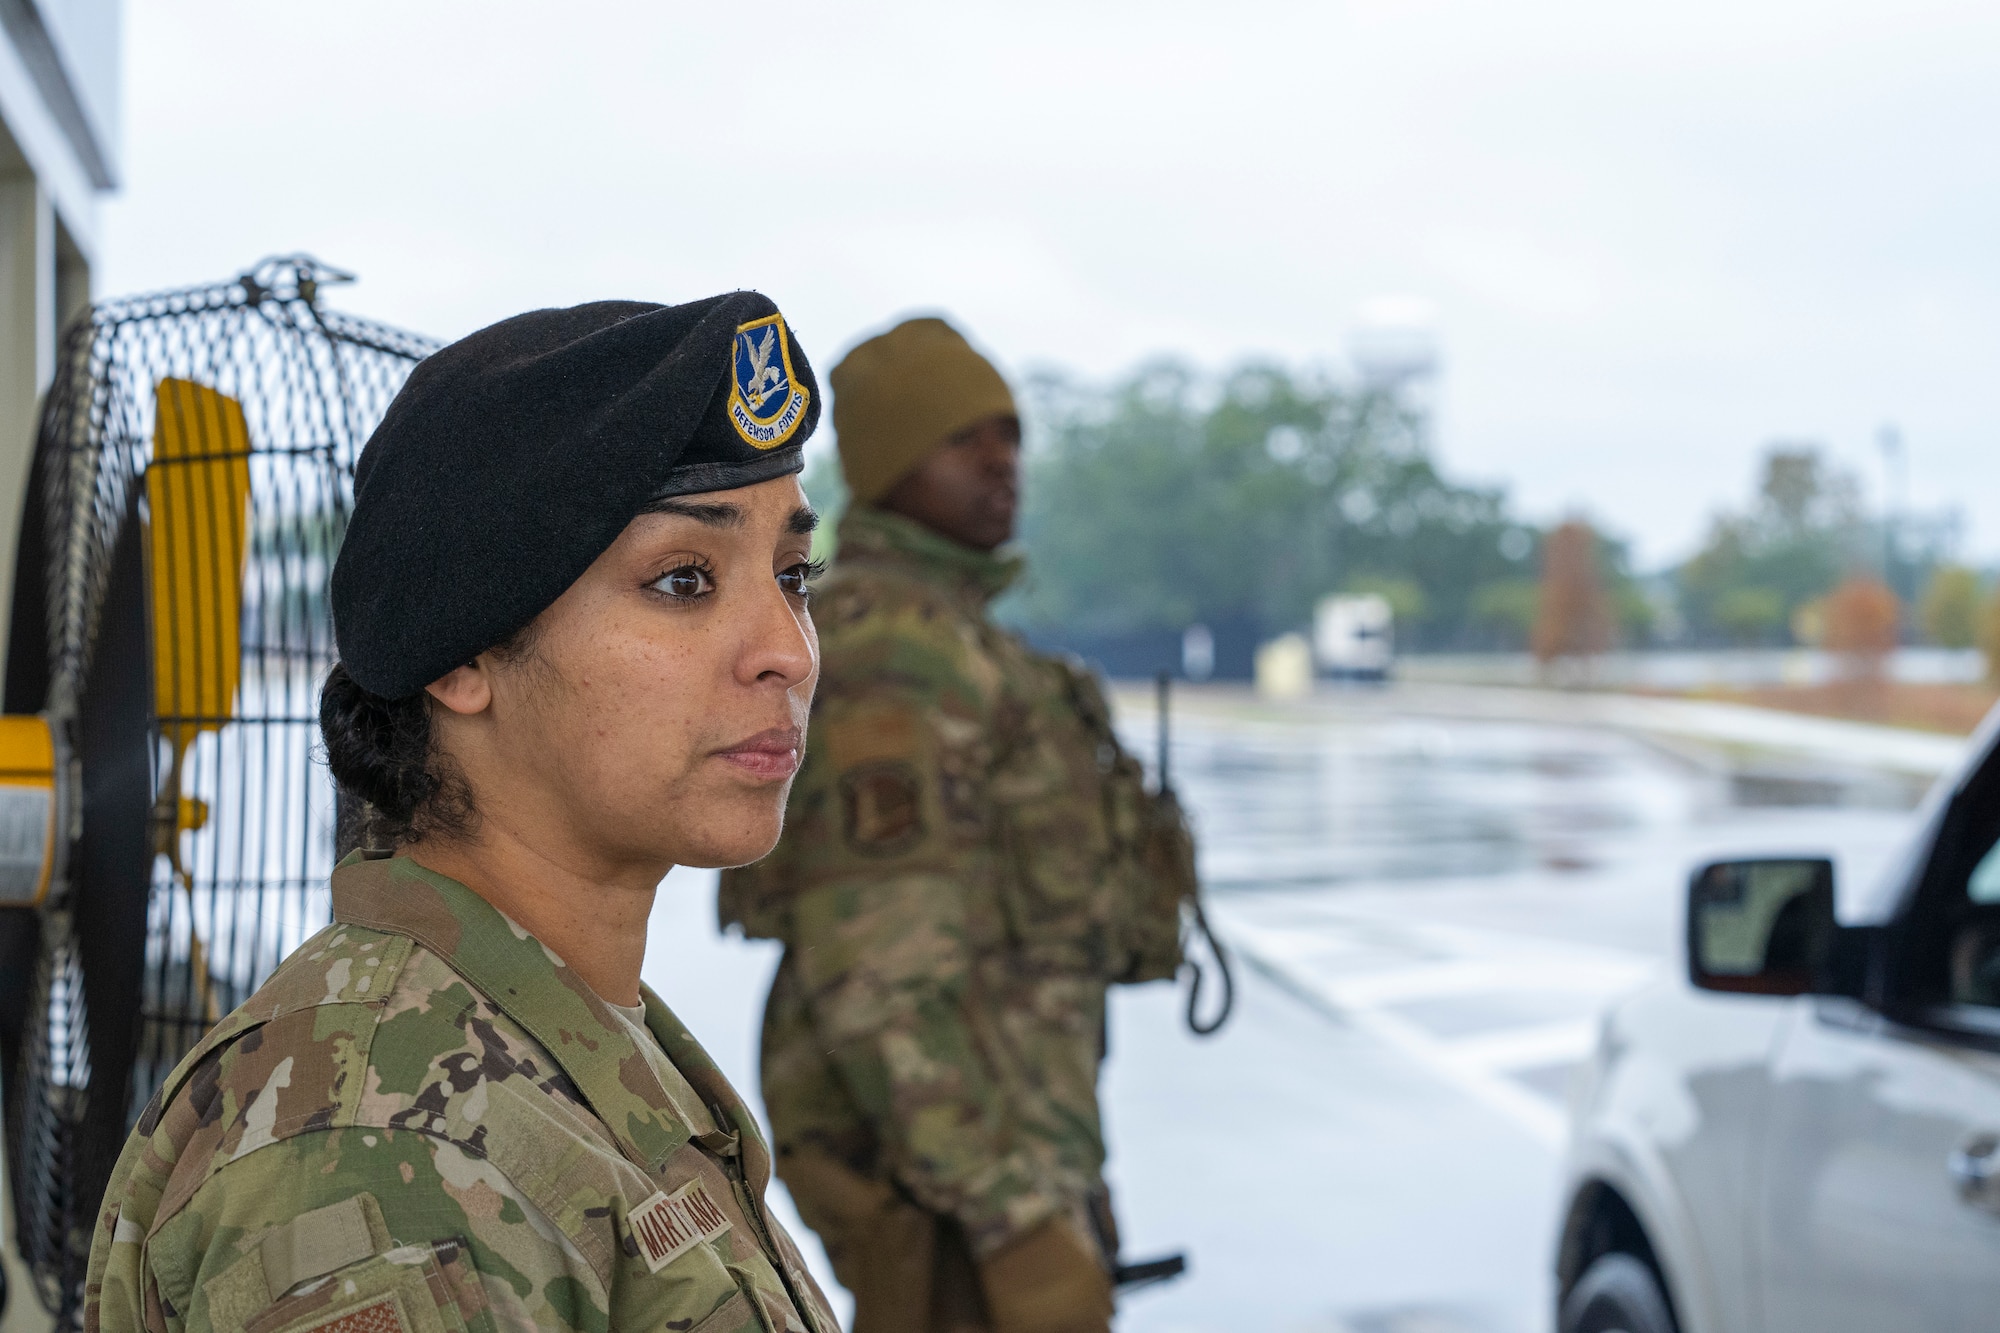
1895, 464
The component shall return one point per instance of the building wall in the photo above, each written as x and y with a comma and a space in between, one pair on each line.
59, 142
59, 72
86, 34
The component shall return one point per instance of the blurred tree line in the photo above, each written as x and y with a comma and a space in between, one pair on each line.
1761, 568
1170, 499
1806, 564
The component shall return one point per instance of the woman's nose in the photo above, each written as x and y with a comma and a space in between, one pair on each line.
781, 643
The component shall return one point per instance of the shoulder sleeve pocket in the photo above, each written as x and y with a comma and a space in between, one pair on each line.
735, 1315
411, 1289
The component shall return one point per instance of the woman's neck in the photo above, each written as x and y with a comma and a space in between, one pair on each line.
595, 922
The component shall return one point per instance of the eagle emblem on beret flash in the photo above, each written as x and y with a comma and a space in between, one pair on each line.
766, 403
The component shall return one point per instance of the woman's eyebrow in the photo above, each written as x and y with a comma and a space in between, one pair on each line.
803, 520
710, 515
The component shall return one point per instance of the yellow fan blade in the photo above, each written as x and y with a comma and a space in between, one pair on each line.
198, 495
197, 540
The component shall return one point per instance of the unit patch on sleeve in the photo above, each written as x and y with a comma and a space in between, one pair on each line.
667, 1226
882, 808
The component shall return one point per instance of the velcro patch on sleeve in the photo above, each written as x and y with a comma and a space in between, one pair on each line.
667, 1226
316, 1243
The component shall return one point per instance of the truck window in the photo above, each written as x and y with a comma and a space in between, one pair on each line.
1951, 954
1984, 886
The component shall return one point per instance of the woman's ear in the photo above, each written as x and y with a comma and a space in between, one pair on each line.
464, 690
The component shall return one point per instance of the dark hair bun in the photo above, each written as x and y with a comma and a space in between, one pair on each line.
381, 754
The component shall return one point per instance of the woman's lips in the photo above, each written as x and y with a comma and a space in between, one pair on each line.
769, 755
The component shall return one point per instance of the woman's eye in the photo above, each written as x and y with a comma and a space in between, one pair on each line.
688, 581
797, 579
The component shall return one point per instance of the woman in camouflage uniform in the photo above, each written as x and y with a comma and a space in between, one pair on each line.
575, 653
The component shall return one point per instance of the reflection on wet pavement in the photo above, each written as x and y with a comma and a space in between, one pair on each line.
1413, 799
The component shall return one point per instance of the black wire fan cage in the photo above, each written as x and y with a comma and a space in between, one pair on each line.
189, 488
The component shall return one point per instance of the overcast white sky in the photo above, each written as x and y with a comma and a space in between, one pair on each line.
1655, 237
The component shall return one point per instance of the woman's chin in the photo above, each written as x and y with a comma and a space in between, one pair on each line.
735, 842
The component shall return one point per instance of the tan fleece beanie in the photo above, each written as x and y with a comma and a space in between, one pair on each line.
898, 396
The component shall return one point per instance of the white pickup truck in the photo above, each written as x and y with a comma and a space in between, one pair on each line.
1802, 1135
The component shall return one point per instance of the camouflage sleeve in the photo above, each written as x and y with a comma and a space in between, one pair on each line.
892, 842
312, 1232
391, 1215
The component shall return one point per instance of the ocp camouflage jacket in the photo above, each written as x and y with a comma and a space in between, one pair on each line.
958, 883
423, 1122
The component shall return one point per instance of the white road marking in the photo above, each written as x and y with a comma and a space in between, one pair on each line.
1370, 972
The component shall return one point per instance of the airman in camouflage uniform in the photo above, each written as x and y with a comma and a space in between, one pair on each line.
458, 1107
969, 860
424, 1121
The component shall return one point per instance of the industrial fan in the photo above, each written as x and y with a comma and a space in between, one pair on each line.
165, 833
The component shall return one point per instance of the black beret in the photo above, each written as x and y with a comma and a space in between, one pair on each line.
514, 457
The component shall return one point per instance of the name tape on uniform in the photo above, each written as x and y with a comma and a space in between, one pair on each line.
669, 1225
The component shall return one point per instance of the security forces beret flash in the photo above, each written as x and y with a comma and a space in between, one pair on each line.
514, 457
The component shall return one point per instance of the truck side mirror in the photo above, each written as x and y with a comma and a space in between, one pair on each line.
1761, 927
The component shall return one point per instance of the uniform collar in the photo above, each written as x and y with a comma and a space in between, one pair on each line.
732, 1115
532, 986
876, 536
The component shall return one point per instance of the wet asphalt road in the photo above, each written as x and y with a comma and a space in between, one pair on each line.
1428, 915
